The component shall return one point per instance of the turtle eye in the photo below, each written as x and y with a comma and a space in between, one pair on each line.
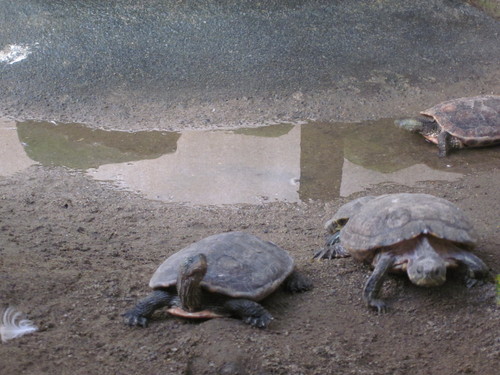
420, 269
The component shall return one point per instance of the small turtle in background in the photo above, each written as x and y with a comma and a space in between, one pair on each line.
459, 123
418, 234
221, 275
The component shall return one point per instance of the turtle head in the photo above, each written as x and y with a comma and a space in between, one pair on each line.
410, 124
335, 225
194, 267
425, 125
191, 273
427, 271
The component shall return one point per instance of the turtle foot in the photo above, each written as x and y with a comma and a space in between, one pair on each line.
260, 321
140, 314
331, 252
474, 281
250, 312
378, 304
133, 319
298, 283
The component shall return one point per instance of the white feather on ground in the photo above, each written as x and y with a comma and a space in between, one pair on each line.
10, 329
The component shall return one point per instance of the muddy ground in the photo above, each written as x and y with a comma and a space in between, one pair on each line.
76, 253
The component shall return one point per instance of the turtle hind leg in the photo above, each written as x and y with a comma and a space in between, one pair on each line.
140, 314
297, 283
374, 283
250, 312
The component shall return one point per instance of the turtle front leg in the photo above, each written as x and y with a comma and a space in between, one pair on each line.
332, 249
444, 143
374, 283
140, 314
250, 312
475, 269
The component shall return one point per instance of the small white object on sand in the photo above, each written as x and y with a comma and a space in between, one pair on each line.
11, 326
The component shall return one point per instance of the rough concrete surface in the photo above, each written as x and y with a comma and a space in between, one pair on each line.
194, 64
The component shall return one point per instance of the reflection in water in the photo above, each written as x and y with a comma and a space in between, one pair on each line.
12, 156
281, 162
356, 178
381, 146
217, 167
77, 146
321, 150
266, 131
345, 158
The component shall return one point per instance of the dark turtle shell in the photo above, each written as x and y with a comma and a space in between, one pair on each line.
240, 265
393, 218
475, 121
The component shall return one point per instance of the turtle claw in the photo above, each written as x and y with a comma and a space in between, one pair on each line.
470, 282
323, 253
380, 305
135, 320
472, 278
261, 321
250, 312
331, 252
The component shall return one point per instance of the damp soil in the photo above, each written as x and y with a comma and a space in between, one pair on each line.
76, 253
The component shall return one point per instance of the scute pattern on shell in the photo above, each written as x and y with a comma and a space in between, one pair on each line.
475, 121
240, 265
392, 218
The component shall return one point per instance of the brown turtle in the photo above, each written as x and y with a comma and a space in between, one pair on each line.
459, 123
221, 275
419, 234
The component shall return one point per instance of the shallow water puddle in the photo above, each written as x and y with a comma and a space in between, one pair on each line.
274, 163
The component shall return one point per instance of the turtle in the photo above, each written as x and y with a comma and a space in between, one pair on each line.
458, 123
225, 274
418, 234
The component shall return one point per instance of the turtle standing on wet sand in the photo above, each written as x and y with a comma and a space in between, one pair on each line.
419, 234
222, 275
459, 123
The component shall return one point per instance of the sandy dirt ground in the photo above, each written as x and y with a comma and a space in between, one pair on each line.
76, 253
